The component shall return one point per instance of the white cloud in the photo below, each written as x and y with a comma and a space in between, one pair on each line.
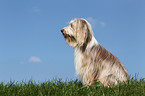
34, 59
95, 22
92, 21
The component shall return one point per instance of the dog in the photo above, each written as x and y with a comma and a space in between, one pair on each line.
93, 63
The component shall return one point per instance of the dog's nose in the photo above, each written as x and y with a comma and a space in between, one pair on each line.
62, 30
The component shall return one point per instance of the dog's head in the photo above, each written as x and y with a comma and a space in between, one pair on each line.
78, 33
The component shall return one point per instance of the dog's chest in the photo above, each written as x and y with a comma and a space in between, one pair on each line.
78, 60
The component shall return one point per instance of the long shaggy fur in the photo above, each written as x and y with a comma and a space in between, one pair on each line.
92, 61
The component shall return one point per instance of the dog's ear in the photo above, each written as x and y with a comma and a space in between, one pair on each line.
84, 33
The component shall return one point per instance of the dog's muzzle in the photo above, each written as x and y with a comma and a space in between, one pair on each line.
67, 36
62, 30
64, 34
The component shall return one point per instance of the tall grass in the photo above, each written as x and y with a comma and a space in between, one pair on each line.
70, 88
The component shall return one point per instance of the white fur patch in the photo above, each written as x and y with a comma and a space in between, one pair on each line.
78, 60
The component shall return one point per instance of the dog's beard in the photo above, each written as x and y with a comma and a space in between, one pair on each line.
70, 39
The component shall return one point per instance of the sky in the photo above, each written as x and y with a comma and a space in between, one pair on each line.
32, 46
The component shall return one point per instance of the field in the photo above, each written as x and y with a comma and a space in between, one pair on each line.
70, 88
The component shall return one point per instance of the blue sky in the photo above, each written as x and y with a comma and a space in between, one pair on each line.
32, 46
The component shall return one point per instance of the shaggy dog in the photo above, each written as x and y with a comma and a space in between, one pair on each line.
92, 61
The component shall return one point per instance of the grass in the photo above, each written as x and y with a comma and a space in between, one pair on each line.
71, 88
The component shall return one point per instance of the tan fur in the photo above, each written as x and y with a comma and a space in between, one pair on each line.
92, 61
104, 66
